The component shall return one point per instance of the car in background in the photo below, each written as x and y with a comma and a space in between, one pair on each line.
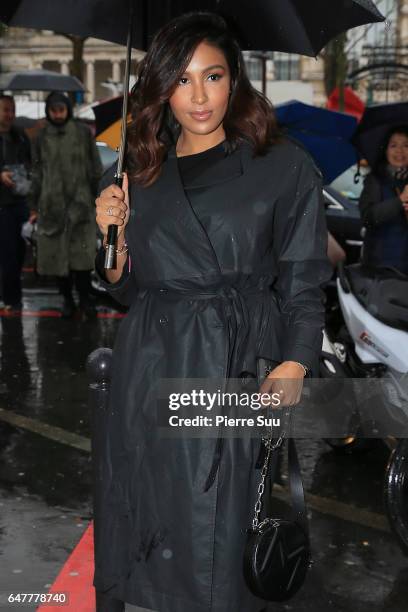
342, 212
108, 156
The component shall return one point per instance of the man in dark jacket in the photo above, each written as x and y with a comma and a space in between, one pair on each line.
15, 159
66, 172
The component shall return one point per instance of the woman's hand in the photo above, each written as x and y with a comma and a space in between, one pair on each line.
403, 196
6, 177
113, 200
287, 381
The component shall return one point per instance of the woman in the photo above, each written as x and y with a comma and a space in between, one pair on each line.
384, 205
227, 240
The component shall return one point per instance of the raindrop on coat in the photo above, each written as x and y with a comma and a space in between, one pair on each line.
260, 208
167, 553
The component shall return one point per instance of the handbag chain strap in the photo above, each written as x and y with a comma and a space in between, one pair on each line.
267, 440
271, 447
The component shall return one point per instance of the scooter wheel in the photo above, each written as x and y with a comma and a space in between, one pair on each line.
396, 492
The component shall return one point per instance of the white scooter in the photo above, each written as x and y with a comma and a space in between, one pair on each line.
368, 339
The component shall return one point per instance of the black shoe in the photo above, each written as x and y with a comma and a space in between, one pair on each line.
68, 308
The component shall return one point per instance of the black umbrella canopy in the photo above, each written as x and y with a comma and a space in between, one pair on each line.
294, 26
376, 123
39, 80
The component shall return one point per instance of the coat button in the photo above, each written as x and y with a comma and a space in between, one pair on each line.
163, 320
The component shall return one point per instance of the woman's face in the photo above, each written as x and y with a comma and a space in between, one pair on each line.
397, 150
200, 100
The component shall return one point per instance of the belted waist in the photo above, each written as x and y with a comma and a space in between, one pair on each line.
225, 291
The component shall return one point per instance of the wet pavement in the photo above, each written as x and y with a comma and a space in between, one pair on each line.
45, 473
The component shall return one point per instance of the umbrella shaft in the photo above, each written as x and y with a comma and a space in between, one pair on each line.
122, 146
110, 255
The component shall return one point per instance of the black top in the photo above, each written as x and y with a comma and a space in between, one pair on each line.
193, 166
196, 172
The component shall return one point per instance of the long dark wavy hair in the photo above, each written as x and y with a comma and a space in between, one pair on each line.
154, 129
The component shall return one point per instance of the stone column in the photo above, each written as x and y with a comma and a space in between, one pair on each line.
64, 67
90, 80
116, 72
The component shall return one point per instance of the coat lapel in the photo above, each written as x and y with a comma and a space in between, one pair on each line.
168, 236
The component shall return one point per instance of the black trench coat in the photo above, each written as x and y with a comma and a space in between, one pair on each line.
171, 530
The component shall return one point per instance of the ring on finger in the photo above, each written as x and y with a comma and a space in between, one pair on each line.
110, 211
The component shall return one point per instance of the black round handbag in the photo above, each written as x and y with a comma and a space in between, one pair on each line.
277, 552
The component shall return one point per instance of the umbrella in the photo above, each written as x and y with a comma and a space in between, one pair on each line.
108, 121
353, 104
374, 126
293, 26
324, 133
106, 113
39, 80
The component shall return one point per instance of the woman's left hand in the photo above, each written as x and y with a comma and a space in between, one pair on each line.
287, 381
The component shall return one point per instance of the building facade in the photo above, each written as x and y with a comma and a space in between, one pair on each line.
104, 62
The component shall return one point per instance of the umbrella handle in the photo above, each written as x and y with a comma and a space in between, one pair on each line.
110, 253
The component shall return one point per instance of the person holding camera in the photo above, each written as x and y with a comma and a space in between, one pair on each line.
15, 162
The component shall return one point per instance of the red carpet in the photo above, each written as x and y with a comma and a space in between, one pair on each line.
75, 579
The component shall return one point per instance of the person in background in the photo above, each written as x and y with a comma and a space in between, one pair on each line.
384, 205
15, 161
66, 172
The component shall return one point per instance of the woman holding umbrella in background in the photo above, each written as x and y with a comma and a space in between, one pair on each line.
384, 205
221, 253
